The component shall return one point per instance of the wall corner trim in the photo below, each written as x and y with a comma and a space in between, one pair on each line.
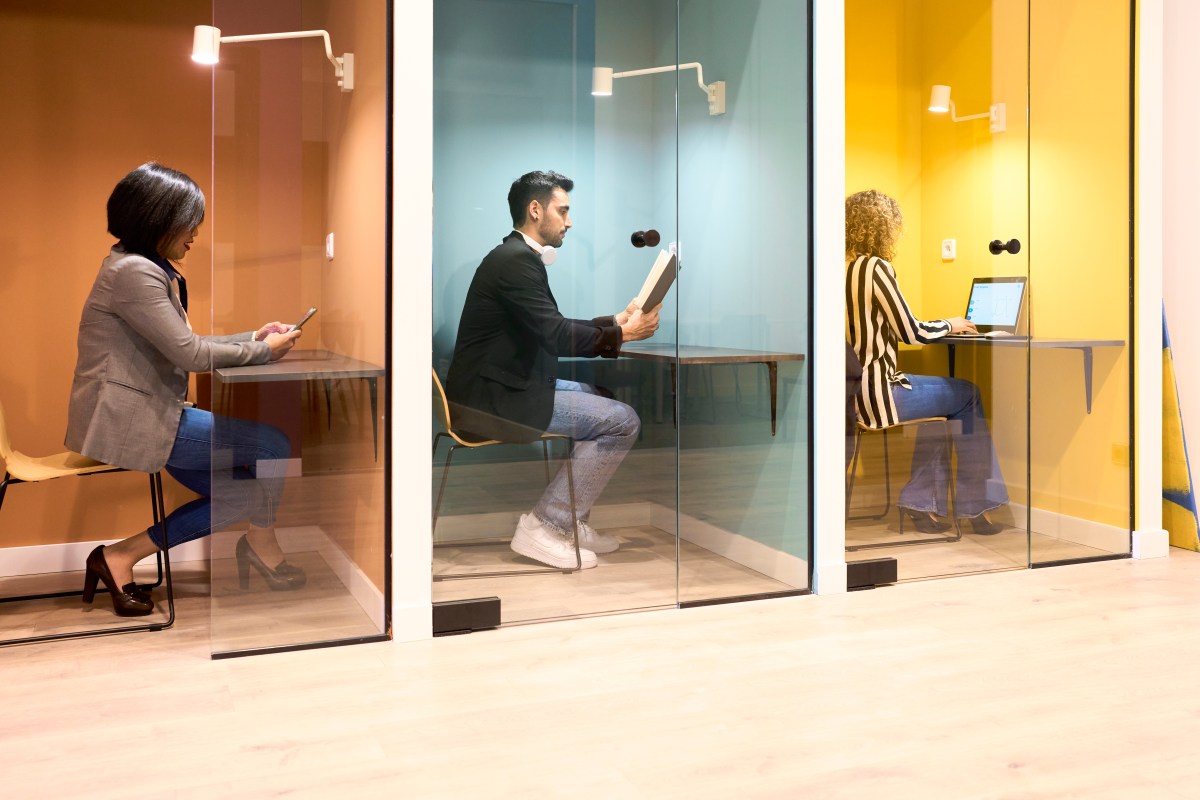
1151, 544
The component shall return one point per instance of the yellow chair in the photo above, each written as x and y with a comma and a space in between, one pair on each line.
441, 407
862, 429
20, 468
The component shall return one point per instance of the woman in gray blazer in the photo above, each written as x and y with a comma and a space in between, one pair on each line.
129, 395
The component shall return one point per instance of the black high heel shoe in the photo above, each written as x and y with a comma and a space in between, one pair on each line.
128, 601
283, 578
923, 521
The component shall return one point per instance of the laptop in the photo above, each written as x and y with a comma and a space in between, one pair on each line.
996, 306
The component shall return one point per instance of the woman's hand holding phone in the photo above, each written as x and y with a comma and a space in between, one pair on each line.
281, 343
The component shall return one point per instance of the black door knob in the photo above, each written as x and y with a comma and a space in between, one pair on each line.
648, 238
997, 247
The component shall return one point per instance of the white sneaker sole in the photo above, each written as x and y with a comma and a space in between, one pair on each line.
521, 545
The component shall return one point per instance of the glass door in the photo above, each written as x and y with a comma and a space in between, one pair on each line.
519, 136
300, 552
685, 146
742, 309
1080, 217
939, 481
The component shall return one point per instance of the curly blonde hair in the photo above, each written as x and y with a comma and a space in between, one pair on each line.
873, 225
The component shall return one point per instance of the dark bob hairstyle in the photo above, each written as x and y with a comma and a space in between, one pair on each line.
151, 204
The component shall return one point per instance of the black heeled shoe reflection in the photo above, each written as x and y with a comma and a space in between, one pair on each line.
283, 578
128, 601
923, 521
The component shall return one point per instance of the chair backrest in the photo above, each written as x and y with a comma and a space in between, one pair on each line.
440, 406
6, 448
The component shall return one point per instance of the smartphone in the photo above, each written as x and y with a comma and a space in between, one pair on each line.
307, 317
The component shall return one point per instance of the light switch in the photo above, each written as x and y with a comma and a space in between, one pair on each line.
949, 249
329, 247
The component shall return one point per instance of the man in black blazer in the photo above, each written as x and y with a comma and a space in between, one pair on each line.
502, 382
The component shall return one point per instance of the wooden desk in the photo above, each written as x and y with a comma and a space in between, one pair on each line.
313, 365
1084, 346
698, 354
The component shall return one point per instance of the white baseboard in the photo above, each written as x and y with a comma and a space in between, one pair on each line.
49, 558
1151, 544
1089, 533
740, 549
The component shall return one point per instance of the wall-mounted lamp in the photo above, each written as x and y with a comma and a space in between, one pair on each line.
602, 81
206, 49
940, 103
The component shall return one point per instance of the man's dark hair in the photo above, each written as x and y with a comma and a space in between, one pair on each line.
151, 203
534, 186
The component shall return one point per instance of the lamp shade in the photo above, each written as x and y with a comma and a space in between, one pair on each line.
206, 45
939, 99
602, 78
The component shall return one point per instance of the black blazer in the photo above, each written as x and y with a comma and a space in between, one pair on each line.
501, 381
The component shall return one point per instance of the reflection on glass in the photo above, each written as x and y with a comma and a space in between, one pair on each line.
298, 221
708, 502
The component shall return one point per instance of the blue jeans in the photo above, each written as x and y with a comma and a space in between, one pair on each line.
219, 459
603, 430
978, 485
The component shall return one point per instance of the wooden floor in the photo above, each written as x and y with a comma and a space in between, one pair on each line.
1066, 682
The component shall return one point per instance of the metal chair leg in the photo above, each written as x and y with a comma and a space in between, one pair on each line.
437, 507
159, 512
571, 494
887, 479
926, 539
546, 458
485, 542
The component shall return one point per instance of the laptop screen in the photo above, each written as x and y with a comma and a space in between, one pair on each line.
995, 303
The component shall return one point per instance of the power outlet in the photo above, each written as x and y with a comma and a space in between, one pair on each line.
329, 247
949, 249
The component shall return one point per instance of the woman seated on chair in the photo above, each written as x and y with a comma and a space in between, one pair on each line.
128, 398
879, 318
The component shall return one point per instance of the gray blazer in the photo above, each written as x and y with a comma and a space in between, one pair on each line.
135, 353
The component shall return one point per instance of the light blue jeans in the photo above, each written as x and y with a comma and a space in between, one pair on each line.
603, 430
978, 485
222, 460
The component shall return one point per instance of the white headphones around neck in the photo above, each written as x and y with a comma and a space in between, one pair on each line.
549, 255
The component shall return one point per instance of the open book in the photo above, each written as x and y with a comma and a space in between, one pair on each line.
661, 276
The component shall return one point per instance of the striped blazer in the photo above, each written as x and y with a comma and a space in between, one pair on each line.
879, 318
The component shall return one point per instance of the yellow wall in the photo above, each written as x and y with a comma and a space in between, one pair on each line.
1060, 186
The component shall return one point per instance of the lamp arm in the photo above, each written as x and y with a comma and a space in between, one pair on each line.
262, 37
672, 68
955, 118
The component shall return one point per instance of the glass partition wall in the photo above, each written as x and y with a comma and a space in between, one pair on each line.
695, 144
1004, 187
297, 216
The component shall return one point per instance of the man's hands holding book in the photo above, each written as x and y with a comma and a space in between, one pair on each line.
637, 324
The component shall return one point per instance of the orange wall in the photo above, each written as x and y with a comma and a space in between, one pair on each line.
294, 159
94, 90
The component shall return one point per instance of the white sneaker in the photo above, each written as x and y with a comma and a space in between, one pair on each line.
545, 545
596, 541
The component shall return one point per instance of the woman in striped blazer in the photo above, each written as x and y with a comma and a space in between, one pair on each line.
880, 318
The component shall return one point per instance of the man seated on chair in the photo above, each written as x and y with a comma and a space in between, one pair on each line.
502, 382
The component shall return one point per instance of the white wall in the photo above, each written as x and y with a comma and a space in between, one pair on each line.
1181, 277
